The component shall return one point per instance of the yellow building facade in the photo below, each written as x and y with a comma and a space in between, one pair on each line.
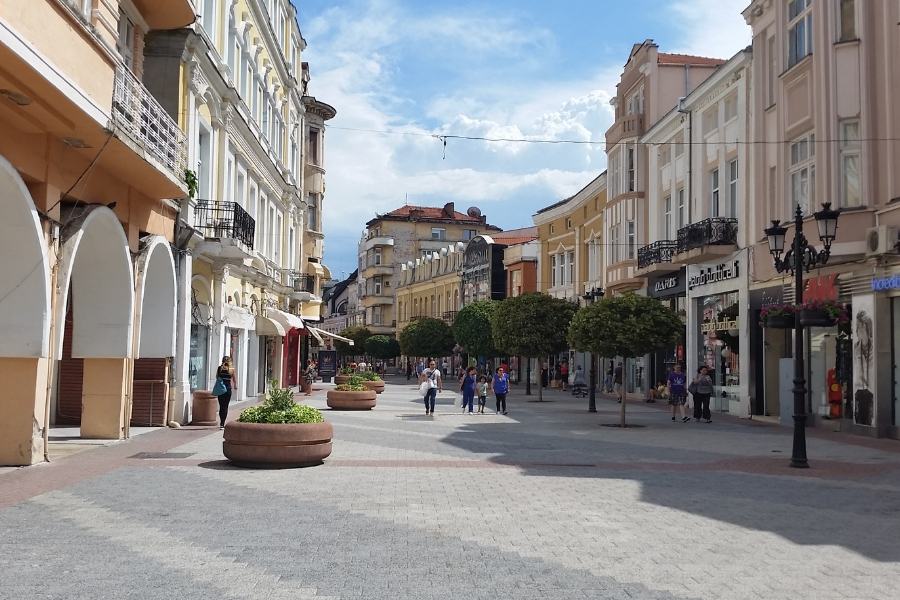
431, 287
89, 162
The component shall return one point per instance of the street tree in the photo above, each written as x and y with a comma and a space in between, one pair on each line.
382, 347
472, 328
532, 326
628, 326
359, 334
427, 337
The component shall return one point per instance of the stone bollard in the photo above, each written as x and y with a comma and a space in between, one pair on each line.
204, 408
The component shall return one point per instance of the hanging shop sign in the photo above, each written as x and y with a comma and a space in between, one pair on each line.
886, 284
715, 274
664, 286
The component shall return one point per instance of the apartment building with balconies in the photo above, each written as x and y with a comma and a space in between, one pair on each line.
399, 238
91, 174
695, 260
825, 83
649, 87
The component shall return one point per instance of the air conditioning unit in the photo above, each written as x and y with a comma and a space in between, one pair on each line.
881, 240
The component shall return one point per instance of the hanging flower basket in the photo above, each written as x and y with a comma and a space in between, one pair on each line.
778, 316
823, 314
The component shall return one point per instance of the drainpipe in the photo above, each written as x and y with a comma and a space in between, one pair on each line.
51, 359
690, 145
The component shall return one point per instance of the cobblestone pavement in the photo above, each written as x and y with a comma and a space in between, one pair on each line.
542, 503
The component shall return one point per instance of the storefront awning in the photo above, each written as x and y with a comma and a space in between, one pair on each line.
238, 318
316, 330
265, 326
315, 334
286, 320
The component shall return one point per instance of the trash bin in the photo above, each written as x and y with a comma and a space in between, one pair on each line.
204, 408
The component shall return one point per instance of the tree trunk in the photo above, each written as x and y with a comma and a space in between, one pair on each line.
527, 375
624, 392
541, 382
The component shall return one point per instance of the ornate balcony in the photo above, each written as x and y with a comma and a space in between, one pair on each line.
225, 221
656, 253
704, 239
136, 113
304, 283
625, 127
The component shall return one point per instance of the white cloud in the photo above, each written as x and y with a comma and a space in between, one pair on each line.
711, 27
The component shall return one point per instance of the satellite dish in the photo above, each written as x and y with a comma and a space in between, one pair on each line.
474, 212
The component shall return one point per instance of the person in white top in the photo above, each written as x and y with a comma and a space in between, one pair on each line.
432, 376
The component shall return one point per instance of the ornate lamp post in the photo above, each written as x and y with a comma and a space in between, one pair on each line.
589, 297
801, 256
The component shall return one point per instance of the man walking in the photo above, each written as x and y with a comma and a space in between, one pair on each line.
409, 369
618, 378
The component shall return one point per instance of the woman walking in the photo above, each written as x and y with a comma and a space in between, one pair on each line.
677, 392
309, 375
500, 385
702, 389
225, 373
468, 389
432, 377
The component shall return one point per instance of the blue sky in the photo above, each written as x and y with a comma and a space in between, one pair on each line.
505, 68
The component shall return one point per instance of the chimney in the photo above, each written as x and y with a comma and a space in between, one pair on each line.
449, 210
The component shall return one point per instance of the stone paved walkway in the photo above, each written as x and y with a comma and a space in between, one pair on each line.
542, 503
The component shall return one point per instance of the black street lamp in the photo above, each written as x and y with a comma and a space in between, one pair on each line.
589, 297
801, 257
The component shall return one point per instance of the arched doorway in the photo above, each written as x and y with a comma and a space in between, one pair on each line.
24, 321
96, 290
155, 301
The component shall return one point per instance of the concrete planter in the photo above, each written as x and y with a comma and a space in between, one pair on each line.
341, 379
351, 400
204, 408
277, 446
378, 385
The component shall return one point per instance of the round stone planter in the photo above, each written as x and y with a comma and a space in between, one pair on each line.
204, 408
780, 322
351, 400
341, 379
277, 446
816, 318
378, 385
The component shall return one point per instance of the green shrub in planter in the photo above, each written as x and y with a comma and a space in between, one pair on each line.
346, 371
371, 376
279, 407
356, 380
351, 387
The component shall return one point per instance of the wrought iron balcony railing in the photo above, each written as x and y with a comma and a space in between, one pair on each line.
305, 283
655, 253
136, 111
717, 231
225, 220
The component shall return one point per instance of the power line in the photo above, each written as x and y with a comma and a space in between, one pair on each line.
451, 136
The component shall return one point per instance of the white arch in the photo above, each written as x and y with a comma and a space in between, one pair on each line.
24, 271
155, 299
96, 262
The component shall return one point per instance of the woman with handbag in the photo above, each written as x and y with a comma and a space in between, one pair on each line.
309, 375
702, 389
430, 386
226, 379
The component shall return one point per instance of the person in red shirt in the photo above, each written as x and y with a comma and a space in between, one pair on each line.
564, 375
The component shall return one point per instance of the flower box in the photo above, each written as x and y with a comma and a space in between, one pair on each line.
813, 317
349, 400
783, 321
277, 445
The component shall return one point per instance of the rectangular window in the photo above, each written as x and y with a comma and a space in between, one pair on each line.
570, 259
632, 240
312, 212
733, 188
208, 18
851, 192
710, 120
667, 204
631, 182
468, 234
802, 172
731, 107
665, 155
438, 233
800, 30
314, 146
773, 71
847, 21
714, 192
125, 43
553, 271
376, 285
681, 215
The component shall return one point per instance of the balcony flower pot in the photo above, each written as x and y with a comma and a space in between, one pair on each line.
342, 398
778, 316
278, 433
815, 318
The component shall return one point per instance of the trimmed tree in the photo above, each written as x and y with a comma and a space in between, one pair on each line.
359, 335
628, 326
532, 326
472, 328
427, 337
382, 347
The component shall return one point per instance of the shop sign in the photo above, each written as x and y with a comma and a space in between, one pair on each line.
666, 285
723, 325
327, 363
884, 284
710, 275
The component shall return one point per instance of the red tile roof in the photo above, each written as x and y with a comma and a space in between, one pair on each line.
687, 59
429, 212
515, 236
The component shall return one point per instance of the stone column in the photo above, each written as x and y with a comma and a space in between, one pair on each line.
104, 388
181, 392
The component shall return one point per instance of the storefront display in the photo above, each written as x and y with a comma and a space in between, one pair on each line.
670, 289
197, 363
720, 344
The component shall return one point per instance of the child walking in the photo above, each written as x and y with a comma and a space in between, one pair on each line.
482, 393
